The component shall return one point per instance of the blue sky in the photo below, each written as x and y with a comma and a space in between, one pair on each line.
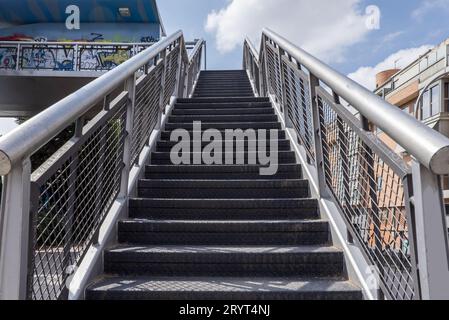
331, 29
399, 25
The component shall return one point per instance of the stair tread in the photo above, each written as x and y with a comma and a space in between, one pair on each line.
223, 249
227, 203
213, 284
234, 183
223, 226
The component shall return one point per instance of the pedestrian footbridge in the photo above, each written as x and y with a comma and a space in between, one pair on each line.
260, 183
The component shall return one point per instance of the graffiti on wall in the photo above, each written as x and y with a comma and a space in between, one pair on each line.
8, 58
46, 57
93, 52
97, 58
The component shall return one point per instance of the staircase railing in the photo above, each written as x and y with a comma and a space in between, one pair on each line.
392, 206
52, 214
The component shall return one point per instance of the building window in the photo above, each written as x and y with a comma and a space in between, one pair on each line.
431, 102
446, 97
435, 100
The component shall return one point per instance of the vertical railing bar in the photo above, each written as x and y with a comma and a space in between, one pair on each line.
19, 48
314, 82
127, 145
411, 226
370, 160
162, 94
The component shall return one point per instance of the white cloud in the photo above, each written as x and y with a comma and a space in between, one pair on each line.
7, 125
323, 27
428, 6
366, 76
392, 36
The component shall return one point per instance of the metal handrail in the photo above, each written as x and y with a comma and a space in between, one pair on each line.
33, 134
88, 179
391, 208
429, 147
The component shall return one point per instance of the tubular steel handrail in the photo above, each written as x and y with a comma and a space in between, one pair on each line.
392, 207
53, 205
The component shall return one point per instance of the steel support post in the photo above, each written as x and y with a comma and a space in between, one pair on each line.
127, 145
431, 234
14, 241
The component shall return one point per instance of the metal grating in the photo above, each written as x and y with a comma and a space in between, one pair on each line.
371, 196
69, 202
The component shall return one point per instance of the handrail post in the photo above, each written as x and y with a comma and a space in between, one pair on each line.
179, 90
431, 234
316, 127
288, 122
162, 94
127, 145
265, 63
18, 57
14, 241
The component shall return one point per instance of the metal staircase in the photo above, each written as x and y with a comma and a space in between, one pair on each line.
114, 214
223, 231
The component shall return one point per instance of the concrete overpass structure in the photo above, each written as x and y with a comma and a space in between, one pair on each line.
41, 61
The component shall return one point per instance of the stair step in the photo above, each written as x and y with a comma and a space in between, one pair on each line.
226, 125
222, 94
223, 100
223, 105
224, 111
204, 232
223, 118
249, 157
285, 171
235, 91
224, 189
256, 261
231, 85
166, 135
194, 289
251, 145
218, 209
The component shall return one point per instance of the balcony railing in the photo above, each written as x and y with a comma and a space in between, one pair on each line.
66, 56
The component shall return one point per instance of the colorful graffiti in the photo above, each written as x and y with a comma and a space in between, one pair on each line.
59, 57
55, 58
8, 58
95, 58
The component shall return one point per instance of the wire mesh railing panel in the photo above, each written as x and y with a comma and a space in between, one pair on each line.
171, 73
70, 200
274, 73
298, 106
76, 187
146, 110
371, 196
252, 66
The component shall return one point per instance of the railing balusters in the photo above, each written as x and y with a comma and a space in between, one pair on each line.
399, 226
50, 217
